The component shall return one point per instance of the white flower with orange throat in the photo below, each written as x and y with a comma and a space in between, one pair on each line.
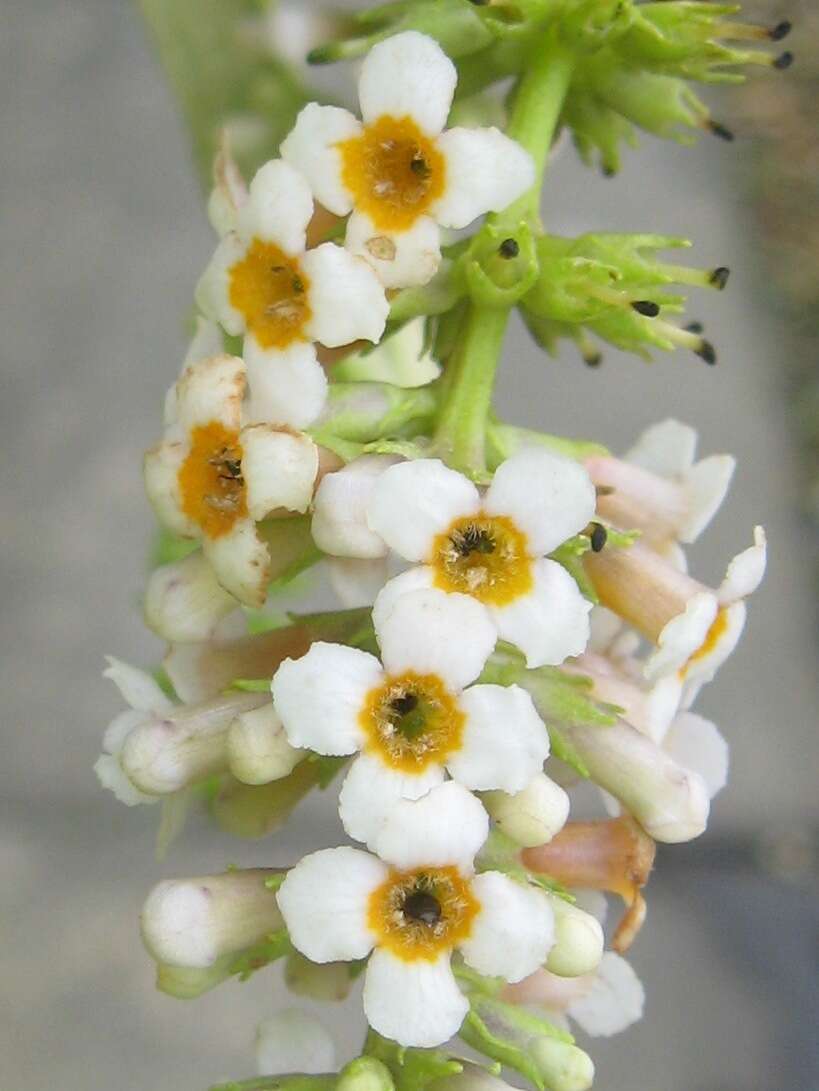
397, 171
415, 718
412, 905
264, 283
493, 547
213, 479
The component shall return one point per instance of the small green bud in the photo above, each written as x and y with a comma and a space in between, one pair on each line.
365, 1074
562, 1067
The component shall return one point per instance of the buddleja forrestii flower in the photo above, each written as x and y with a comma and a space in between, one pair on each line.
517, 613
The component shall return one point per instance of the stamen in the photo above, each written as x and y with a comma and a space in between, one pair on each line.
646, 307
598, 537
419, 166
402, 706
719, 277
422, 907
780, 31
783, 61
509, 248
719, 130
472, 540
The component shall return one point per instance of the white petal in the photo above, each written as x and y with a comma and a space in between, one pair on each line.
324, 903
320, 696
339, 524
415, 501
408, 75
433, 632
705, 487
548, 497
746, 571
211, 390
213, 290
294, 1041
505, 741
311, 146
356, 580
288, 386
514, 930
696, 744
445, 827
615, 1000
667, 448
206, 341
161, 467
551, 623
279, 209
682, 636
112, 776
371, 790
400, 260
347, 299
184, 602
279, 469
414, 579
229, 191
485, 172
138, 688
241, 562
413, 1003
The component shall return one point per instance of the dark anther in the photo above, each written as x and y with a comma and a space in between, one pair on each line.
607, 171
419, 166
707, 352
422, 907
783, 61
695, 327
509, 248
479, 3
599, 537
472, 540
719, 277
645, 307
402, 706
297, 285
593, 359
780, 31
721, 131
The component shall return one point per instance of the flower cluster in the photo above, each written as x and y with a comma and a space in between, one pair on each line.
518, 615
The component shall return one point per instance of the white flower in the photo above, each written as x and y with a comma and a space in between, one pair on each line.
412, 905
339, 525
186, 604
398, 172
213, 479
294, 1041
264, 283
493, 547
412, 719
602, 1003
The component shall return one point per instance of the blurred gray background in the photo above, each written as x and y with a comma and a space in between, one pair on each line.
103, 235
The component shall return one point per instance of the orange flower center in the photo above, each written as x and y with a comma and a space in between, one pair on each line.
210, 479
419, 914
484, 556
394, 172
719, 627
412, 721
270, 290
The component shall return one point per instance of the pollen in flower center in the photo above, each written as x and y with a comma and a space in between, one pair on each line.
484, 556
411, 722
211, 484
394, 172
269, 288
418, 914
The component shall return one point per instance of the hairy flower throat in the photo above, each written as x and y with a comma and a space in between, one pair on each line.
484, 556
421, 913
269, 288
412, 721
210, 479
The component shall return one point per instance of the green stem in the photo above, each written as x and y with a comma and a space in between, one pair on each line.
461, 432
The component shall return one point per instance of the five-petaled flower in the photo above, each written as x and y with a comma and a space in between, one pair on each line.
211, 478
412, 719
398, 172
492, 547
264, 283
412, 905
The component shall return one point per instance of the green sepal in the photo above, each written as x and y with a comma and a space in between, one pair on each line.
167, 548
274, 947
360, 413
505, 440
327, 768
251, 685
275, 881
411, 1069
496, 281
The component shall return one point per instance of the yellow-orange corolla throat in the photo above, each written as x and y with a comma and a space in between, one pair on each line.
210, 480
412, 721
417, 915
719, 627
484, 556
394, 172
270, 291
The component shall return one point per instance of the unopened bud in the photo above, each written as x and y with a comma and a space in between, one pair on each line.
562, 1067
184, 602
195, 922
294, 1041
365, 1074
255, 810
530, 817
258, 750
579, 940
328, 981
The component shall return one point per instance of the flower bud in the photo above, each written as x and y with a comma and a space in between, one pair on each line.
184, 602
532, 816
365, 1074
563, 1067
250, 810
258, 751
294, 1041
184, 746
194, 922
190, 982
326, 981
579, 940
